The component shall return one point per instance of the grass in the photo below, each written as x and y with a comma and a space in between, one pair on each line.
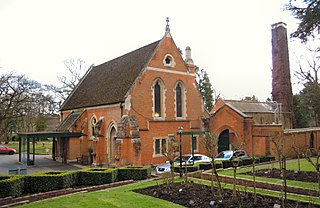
40, 146
291, 165
116, 197
124, 197
276, 194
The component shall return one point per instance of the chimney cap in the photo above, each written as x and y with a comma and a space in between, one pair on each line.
279, 24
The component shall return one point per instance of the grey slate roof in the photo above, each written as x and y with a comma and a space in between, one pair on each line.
69, 121
109, 82
252, 106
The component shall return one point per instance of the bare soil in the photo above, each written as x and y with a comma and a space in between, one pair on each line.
200, 196
305, 176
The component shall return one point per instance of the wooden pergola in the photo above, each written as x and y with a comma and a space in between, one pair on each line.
29, 138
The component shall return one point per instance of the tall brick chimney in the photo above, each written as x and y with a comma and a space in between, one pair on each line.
281, 81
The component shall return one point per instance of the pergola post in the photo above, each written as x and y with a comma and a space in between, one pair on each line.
54, 149
20, 148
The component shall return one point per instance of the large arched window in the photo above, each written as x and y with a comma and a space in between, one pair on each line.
158, 91
157, 100
180, 100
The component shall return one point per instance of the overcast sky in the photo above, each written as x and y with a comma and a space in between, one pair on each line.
231, 40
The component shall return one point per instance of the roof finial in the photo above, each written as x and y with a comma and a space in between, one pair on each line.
167, 26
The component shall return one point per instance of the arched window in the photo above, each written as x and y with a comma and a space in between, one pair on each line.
92, 125
157, 100
158, 93
178, 101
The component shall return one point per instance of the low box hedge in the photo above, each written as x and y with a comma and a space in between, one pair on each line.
11, 185
97, 176
52, 180
267, 158
134, 173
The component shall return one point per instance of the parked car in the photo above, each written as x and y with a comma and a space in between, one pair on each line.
229, 154
186, 159
7, 150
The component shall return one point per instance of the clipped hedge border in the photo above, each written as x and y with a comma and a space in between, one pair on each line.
97, 176
224, 164
51, 180
11, 185
134, 173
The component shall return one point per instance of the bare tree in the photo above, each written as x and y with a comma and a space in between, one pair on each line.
171, 152
210, 142
315, 163
76, 69
308, 75
22, 101
277, 140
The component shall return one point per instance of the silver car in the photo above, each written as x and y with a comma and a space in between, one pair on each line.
229, 154
186, 159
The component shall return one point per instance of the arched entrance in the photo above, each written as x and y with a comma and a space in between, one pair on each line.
224, 141
112, 145
311, 141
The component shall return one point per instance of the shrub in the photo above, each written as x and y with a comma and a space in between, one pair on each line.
267, 158
205, 166
134, 173
227, 164
190, 168
247, 161
11, 185
48, 181
97, 176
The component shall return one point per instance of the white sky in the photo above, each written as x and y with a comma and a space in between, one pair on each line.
231, 40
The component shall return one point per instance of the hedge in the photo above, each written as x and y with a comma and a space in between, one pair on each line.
52, 180
11, 185
97, 176
267, 158
135, 173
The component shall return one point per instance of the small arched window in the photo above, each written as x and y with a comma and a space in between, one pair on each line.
169, 61
158, 95
92, 125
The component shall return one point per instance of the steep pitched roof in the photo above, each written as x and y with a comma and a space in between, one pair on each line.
109, 82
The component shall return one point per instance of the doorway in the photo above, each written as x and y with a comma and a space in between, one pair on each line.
224, 141
112, 146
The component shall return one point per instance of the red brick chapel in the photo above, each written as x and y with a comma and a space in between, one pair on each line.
130, 106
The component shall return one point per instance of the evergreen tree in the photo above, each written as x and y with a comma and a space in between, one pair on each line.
302, 113
205, 88
307, 11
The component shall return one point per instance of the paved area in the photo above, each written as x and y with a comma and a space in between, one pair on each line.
42, 163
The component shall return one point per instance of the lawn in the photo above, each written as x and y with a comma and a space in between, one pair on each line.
291, 165
116, 197
40, 146
125, 197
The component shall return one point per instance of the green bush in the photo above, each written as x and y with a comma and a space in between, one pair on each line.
11, 185
48, 181
190, 168
247, 161
97, 176
267, 158
134, 173
205, 166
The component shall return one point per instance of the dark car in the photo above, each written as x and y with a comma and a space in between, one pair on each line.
7, 150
